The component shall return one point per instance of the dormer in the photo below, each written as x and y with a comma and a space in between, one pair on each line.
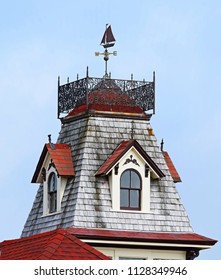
55, 166
130, 170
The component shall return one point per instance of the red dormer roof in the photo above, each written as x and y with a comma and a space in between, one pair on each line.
53, 245
120, 151
61, 156
175, 175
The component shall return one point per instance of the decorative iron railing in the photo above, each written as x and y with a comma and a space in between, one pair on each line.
76, 93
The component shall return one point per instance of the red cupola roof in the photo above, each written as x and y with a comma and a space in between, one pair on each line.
109, 100
106, 95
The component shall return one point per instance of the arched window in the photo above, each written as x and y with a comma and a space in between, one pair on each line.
130, 190
52, 193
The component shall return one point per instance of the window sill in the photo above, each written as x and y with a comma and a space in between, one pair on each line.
130, 211
51, 214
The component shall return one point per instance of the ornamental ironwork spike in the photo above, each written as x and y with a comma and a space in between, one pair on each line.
161, 145
49, 138
132, 130
68, 80
58, 80
87, 72
154, 82
77, 77
50, 143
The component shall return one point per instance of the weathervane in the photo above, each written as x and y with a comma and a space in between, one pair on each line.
107, 41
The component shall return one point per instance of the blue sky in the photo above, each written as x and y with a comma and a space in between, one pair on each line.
180, 40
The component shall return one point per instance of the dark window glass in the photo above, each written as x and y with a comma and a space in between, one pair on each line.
52, 192
130, 190
135, 180
134, 198
124, 198
125, 180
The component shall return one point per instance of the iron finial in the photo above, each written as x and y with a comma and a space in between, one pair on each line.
132, 130
50, 143
161, 145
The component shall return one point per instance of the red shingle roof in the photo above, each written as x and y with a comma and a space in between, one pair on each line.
120, 151
175, 175
141, 236
54, 245
109, 100
61, 157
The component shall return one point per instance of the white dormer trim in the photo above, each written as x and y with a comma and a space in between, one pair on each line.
57, 159
154, 174
61, 183
129, 155
131, 160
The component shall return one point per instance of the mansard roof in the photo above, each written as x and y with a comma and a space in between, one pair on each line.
87, 200
120, 151
53, 245
61, 156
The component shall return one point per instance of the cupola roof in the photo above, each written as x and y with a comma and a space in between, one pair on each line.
109, 100
106, 95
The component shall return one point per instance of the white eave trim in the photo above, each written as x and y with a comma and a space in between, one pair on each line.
39, 178
152, 244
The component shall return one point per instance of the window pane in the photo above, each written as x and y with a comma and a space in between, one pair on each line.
135, 180
134, 199
125, 180
52, 202
124, 198
52, 183
52, 193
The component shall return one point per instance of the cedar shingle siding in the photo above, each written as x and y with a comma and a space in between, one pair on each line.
87, 198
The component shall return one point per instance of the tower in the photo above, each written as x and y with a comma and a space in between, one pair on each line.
106, 180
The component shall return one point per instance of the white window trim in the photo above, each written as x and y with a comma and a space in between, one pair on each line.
114, 181
61, 183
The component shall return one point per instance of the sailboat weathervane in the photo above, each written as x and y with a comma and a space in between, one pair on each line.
107, 41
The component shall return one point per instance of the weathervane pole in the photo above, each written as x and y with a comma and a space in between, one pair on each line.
107, 41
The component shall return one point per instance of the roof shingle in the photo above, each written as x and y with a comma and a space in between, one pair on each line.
175, 175
54, 245
61, 157
138, 236
109, 100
